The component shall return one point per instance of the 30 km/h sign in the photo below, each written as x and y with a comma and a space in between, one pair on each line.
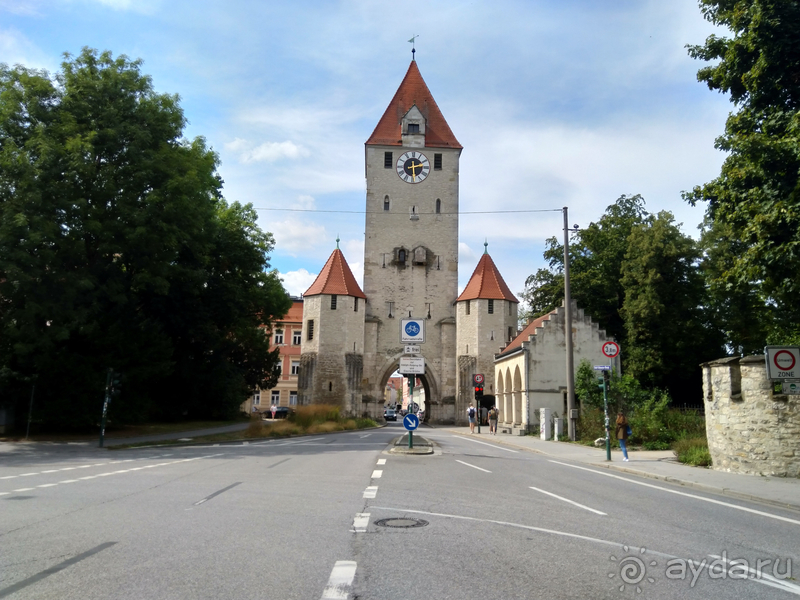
783, 362
610, 349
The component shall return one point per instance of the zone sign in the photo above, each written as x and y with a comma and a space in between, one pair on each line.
783, 362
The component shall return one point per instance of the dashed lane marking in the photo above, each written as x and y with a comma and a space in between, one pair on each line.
340, 582
371, 491
360, 523
568, 501
377, 474
473, 466
381, 461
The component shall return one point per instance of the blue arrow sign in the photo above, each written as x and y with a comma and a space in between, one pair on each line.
411, 422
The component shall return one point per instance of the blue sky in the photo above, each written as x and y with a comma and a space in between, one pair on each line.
556, 102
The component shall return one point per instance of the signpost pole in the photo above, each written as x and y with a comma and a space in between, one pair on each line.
605, 409
411, 379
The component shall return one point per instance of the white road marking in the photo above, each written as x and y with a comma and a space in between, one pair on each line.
663, 489
463, 437
473, 466
360, 523
4, 493
47, 485
28, 474
381, 461
365, 436
371, 491
377, 474
768, 579
68, 481
89, 477
570, 501
567, 535
340, 581
51, 471
22, 490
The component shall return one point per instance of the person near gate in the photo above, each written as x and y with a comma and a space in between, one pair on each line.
472, 415
493, 420
623, 431
273, 409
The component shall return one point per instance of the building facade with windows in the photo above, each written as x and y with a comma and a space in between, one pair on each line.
286, 336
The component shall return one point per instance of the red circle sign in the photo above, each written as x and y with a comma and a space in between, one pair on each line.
784, 360
610, 349
478, 378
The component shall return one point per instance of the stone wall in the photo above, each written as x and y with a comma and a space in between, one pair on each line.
750, 429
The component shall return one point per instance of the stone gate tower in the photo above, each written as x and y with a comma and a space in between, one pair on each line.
411, 245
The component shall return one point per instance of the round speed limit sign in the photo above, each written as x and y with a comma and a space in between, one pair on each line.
610, 349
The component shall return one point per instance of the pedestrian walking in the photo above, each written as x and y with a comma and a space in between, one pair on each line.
472, 415
493, 414
273, 409
623, 431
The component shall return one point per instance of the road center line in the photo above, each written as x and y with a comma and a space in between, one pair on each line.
360, 523
371, 491
462, 437
473, 466
341, 581
381, 461
567, 500
377, 474
663, 489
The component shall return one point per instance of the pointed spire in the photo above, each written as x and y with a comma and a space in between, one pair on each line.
487, 283
336, 278
413, 92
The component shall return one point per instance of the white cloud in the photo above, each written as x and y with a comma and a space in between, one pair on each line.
293, 236
17, 49
297, 282
267, 152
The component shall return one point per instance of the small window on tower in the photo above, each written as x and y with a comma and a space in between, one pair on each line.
491, 307
510, 334
467, 306
387, 160
333, 302
310, 329
386, 203
355, 305
401, 256
437, 162
438, 206
413, 128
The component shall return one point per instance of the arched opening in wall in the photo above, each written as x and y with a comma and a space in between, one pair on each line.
425, 391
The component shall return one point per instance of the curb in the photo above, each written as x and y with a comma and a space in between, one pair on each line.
682, 482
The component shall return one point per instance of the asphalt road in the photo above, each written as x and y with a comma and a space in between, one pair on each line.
301, 519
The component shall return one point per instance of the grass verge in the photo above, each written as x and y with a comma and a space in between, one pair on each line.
693, 451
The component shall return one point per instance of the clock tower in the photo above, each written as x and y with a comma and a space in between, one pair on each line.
411, 244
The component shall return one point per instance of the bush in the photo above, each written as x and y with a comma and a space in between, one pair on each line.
306, 416
693, 451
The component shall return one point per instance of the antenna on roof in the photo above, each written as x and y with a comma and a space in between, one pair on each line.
413, 49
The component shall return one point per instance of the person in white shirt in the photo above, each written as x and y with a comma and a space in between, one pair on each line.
472, 415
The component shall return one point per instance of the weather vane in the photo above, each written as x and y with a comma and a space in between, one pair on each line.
413, 49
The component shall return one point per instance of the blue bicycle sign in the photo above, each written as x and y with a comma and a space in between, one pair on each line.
412, 331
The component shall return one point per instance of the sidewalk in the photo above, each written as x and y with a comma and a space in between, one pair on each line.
776, 491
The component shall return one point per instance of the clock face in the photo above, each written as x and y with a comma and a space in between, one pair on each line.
413, 167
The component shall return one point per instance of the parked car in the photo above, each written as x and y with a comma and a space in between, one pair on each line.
390, 415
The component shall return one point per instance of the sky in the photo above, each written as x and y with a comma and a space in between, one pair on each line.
556, 103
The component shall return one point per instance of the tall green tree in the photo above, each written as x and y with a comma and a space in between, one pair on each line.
669, 331
117, 249
753, 206
596, 256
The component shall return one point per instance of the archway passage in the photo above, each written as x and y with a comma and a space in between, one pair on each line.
423, 390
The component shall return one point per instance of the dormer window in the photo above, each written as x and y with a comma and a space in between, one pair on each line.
413, 128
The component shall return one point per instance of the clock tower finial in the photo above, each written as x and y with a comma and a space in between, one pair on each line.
413, 49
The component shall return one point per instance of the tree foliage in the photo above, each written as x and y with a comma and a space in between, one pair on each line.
753, 206
117, 249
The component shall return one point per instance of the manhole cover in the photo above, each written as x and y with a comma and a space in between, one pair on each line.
401, 523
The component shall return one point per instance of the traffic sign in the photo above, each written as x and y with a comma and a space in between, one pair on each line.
412, 331
610, 349
602, 367
411, 422
783, 362
412, 365
411, 350
477, 379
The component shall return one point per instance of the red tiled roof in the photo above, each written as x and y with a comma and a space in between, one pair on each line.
487, 283
413, 91
529, 330
335, 278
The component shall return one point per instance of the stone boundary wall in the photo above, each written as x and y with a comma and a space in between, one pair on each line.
750, 429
